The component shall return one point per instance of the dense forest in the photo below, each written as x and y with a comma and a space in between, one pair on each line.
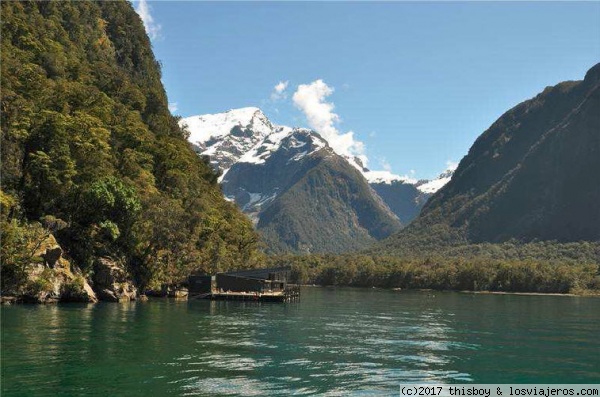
92, 155
544, 267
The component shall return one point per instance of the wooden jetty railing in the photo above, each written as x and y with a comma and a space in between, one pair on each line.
290, 293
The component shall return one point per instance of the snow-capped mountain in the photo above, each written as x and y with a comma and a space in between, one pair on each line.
243, 138
434, 185
247, 135
268, 168
336, 205
226, 137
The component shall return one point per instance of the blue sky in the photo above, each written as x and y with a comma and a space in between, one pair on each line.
416, 83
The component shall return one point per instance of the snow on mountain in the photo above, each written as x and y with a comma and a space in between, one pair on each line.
436, 184
282, 135
265, 147
247, 136
226, 137
405, 196
387, 177
244, 136
255, 157
425, 186
357, 162
203, 128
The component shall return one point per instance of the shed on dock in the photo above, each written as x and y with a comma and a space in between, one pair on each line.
260, 280
255, 284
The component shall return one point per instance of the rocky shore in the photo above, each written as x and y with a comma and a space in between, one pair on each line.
52, 278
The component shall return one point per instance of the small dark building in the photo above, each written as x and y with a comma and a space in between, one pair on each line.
202, 284
251, 280
254, 280
231, 283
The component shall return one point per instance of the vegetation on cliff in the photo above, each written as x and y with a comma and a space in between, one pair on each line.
91, 153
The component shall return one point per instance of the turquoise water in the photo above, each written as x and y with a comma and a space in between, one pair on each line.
338, 341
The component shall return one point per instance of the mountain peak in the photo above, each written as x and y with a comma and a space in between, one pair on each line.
282, 176
593, 74
246, 135
241, 122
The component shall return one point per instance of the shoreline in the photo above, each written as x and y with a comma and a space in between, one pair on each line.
521, 293
11, 299
586, 293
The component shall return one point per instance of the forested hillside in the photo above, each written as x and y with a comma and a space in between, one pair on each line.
91, 153
546, 267
330, 208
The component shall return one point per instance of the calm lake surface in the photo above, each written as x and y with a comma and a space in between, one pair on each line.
338, 341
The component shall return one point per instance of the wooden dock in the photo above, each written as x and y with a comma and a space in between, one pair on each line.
291, 293
249, 296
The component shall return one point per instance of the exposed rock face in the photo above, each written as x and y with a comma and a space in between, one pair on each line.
51, 256
181, 293
58, 282
112, 282
8, 300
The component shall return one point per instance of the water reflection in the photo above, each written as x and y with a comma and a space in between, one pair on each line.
336, 342
332, 342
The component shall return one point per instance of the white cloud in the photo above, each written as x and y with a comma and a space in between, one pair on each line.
173, 107
279, 91
144, 11
281, 86
311, 100
385, 164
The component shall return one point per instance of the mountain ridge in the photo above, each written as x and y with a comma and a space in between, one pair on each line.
526, 177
